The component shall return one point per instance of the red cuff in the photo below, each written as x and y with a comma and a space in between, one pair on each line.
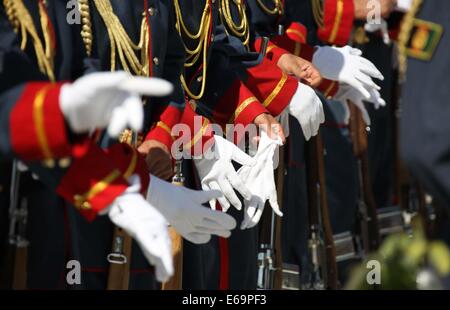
297, 32
92, 182
129, 161
271, 86
37, 125
338, 17
196, 133
238, 105
162, 131
328, 88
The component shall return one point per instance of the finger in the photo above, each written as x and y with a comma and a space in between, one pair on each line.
355, 51
306, 130
212, 202
222, 200
225, 233
202, 197
239, 185
242, 158
147, 86
197, 238
359, 87
365, 79
118, 121
134, 108
217, 220
102, 80
274, 204
364, 114
248, 214
371, 69
229, 194
321, 112
255, 219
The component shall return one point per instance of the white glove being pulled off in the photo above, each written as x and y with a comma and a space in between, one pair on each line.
216, 171
260, 179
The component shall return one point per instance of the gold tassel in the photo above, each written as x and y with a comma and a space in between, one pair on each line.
122, 45
86, 30
21, 20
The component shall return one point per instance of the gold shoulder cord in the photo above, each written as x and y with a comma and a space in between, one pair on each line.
201, 38
242, 30
86, 30
277, 7
317, 8
404, 35
21, 20
121, 43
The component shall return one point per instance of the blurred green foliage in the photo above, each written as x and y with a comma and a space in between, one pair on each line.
402, 257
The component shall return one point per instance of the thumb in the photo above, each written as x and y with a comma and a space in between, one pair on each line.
202, 197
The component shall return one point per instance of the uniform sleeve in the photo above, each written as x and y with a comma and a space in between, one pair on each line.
338, 17
32, 126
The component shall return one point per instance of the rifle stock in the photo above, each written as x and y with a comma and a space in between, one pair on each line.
367, 205
323, 251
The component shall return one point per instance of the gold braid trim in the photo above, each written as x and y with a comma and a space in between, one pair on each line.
404, 35
277, 9
317, 8
23, 23
121, 43
201, 50
242, 30
86, 30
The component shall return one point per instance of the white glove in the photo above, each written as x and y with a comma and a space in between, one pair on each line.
108, 99
307, 108
147, 226
382, 26
183, 209
346, 92
216, 171
345, 64
283, 119
260, 179
404, 5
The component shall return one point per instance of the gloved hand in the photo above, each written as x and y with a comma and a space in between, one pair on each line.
260, 180
146, 225
108, 99
345, 64
183, 209
379, 26
216, 171
347, 93
307, 108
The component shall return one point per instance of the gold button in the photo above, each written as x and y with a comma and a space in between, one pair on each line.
81, 203
152, 11
156, 61
49, 163
64, 162
199, 79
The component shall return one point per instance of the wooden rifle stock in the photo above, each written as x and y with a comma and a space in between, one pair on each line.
368, 209
319, 218
176, 282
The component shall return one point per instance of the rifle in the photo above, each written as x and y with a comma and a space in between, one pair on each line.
367, 210
411, 196
270, 261
323, 271
120, 256
15, 269
176, 282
